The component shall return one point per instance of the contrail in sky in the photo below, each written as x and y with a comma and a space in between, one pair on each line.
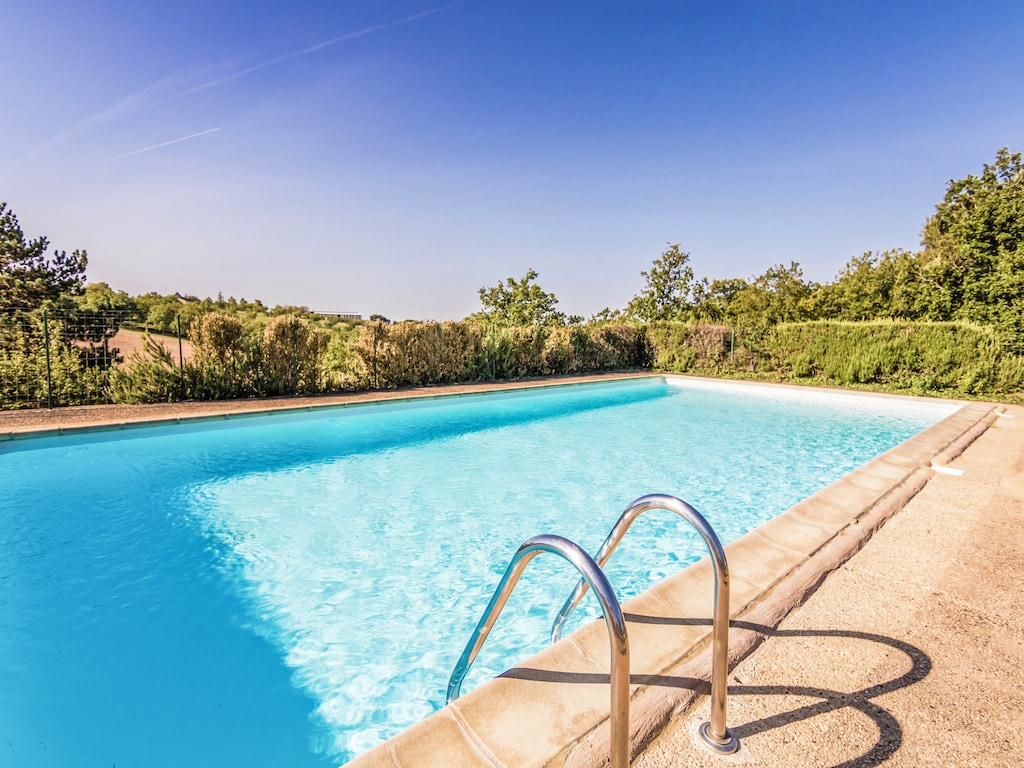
148, 96
317, 47
164, 144
134, 102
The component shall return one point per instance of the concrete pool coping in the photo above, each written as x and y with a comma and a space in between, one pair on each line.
25, 424
553, 708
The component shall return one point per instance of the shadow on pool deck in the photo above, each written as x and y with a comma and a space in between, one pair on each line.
908, 655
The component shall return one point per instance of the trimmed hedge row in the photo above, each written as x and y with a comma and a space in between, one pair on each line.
933, 358
950, 358
418, 354
288, 355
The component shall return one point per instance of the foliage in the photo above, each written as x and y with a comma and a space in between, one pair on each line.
777, 296
28, 278
164, 313
150, 376
948, 319
669, 289
231, 358
970, 269
418, 354
602, 347
291, 351
951, 358
716, 299
519, 303
690, 348
870, 286
973, 256
341, 369
100, 297
26, 368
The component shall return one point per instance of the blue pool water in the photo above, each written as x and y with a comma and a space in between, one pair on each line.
294, 589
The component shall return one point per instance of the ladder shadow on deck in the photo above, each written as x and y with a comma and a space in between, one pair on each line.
890, 731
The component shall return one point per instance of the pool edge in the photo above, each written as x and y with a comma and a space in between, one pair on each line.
456, 735
199, 412
552, 709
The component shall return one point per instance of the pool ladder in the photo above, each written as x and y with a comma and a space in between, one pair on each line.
714, 733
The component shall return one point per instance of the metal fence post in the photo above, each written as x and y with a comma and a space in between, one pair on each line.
375, 383
49, 376
181, 362
295, 362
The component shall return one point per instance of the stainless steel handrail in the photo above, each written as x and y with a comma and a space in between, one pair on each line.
714, 733
594, 577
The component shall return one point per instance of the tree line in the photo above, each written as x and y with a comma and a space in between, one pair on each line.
962, 291
970, 268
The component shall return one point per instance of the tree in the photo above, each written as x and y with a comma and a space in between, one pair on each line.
28, 278
973, 257
518, 303
100, 297
607, 315
717, 297
777, 296
869, 287
668, 288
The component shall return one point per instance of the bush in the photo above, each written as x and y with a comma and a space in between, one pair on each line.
291, 353
418, 354
687, 348
24, 369
935, 358
147, 377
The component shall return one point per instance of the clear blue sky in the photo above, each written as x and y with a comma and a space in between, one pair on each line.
394, 157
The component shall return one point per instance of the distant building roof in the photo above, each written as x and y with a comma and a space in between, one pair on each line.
342, 315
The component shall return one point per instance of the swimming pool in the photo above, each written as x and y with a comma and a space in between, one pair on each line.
293, 589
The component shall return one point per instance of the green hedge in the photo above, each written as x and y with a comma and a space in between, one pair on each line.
689, 348
933, 358
283, 355
418, 354
954, 359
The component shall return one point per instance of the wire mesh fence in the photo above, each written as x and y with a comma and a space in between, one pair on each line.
56, 358
50, 359
83, 356
53, 358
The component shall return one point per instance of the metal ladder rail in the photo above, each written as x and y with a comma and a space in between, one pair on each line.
714, 733
594, 577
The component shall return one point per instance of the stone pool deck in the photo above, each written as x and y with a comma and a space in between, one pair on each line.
901, 648
910, 654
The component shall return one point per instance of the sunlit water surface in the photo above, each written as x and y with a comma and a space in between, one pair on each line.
293, 590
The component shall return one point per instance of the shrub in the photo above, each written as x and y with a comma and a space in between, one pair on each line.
147, 377
935, 358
